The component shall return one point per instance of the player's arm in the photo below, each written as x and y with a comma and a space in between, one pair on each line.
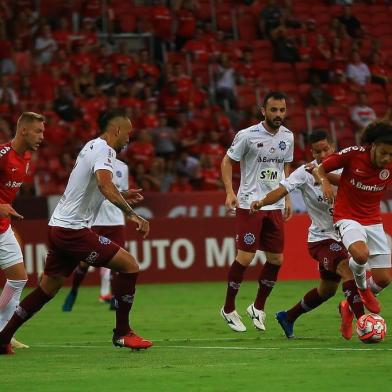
320, 176
7, 211
288, 208
110, 191
227, 178
270, 198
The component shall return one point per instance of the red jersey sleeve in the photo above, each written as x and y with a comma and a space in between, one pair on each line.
340, 159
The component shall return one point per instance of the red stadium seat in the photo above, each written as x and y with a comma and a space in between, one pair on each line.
247, 27
204, 10
302, 72
224, 22
298, 123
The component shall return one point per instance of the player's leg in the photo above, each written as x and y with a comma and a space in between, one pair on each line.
235, 277
352, 305
380, 278
354, 237
247, 233
77, 279
124, 287
105, 291
271, 241
30, 305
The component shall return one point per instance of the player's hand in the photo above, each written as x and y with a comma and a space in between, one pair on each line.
309, 167
143, 225
255, 206
132, 196
328, 192
7, 211
231, 202
288, 209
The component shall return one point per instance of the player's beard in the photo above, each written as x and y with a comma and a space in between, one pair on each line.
272, 124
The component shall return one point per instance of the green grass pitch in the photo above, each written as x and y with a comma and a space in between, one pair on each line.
194, 350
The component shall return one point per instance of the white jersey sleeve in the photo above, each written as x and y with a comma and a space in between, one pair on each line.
239, 146
295, 180
109, 214
81, 201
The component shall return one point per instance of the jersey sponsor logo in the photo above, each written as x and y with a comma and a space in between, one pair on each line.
103, 240
249, 238
282, 145
368, 188
269, 175
4, 150
384, 174
360, 171
267, 160
254, 130
90, 259
352, 148
13, 184
14, 169
335, 247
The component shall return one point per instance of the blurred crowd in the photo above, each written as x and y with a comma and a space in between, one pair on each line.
190, 73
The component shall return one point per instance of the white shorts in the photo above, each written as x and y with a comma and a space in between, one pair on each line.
373, 235
10, 252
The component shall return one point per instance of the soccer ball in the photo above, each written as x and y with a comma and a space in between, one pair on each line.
371, 328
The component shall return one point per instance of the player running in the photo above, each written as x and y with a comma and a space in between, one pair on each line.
264, 151
323, 242
357, 216
110, 222
71, 239
14, 162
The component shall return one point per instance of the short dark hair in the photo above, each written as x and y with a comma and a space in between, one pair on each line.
105, 119
318, 135
377, 132
273, 94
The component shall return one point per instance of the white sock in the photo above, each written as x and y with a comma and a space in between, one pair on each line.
9, 299
359, 271
105, 281
374, 286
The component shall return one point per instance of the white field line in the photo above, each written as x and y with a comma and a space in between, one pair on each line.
227, 348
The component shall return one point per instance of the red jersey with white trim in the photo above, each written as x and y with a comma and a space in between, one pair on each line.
361, 185
13, 169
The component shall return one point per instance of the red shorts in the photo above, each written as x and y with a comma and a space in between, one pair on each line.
68, 247
114, 233
260, 231
329, 253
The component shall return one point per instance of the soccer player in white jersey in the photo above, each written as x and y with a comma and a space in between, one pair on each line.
323, 243
264, 151
72, 240
110, 222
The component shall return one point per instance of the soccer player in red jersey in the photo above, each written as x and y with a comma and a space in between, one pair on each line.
357, 217
14, 162
71, 239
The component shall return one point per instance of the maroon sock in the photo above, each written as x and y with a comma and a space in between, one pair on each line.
234, 279
310, 301
267, 279
123, 287
26, 309
78, 276
350, 291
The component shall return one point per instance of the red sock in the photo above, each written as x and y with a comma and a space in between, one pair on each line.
234, 280
310, 301
78, 276
268, 277
350, 291
26, 309
123, 287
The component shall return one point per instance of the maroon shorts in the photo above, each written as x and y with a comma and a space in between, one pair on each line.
114, 233
68, 247
329, 253
263, 230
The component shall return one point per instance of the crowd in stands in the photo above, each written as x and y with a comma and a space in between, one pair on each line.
199, 77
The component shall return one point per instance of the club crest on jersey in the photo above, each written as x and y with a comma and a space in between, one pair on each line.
118, 174
335, 247
103, 240
384, 174
249, 238
282, 145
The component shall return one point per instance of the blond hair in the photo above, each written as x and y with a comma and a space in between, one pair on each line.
28, 117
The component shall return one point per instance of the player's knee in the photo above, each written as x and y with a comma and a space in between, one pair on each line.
382, 281
275, 259
130, 265
343, 270
361, 257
